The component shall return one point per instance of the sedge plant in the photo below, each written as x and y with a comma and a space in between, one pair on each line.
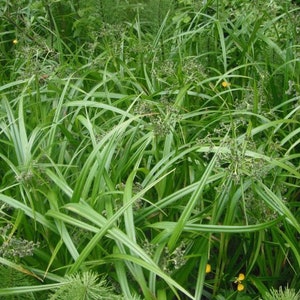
151, 151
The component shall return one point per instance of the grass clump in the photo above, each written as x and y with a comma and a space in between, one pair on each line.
281, 294
153, 142
83, 286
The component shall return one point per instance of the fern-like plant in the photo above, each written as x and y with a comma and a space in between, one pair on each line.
84, 286
280, 294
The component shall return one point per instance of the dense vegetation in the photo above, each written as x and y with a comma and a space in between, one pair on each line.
149, 149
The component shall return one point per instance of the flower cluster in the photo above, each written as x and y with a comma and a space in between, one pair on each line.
165, 69
233, 157
175, 260
240, 287
239, 281
170, 261
149, 248
136, 188
15, 247
161, 117
258, 211
193, 70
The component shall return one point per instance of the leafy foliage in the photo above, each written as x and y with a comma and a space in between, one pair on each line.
147, 142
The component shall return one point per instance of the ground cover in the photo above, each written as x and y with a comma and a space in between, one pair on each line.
149, 149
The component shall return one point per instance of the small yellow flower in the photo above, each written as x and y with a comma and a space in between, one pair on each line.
225, 84
240, 287
241, 277
15, 41
208, 268
238, 281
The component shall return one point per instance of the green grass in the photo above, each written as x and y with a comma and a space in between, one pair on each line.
140, 144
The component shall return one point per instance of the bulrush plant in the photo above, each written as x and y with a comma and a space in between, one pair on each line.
149, 149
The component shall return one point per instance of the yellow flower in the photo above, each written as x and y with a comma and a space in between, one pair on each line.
225, 84
15, 41
238, 281
208, 268
241, 277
